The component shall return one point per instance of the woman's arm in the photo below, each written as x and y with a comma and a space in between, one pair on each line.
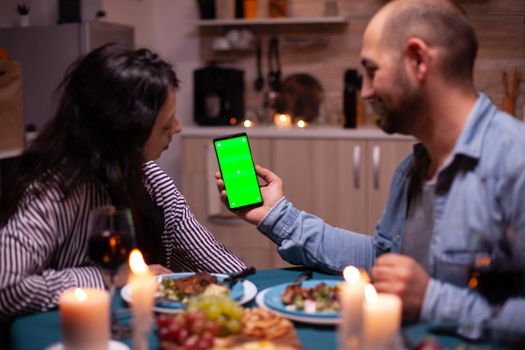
186, 244
39, 254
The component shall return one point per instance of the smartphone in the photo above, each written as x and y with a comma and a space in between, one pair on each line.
238, 171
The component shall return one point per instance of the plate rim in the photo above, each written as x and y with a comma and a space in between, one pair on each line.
331, 314
187, 274
259, 300
250, 292
331, 318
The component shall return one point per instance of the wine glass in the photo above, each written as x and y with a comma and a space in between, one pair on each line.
496, 270
112, 237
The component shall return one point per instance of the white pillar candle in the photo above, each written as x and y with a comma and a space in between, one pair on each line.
381, 318
143, 287
351, 297
84, 319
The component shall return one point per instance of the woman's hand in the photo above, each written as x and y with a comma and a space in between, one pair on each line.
121, 278
157, 269
271, 192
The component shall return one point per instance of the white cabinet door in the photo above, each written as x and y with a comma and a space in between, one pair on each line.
325, 178
382, 159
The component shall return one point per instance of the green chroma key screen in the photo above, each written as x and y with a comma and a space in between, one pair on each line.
238, 172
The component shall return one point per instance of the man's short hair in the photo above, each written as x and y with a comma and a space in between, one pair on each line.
441, 24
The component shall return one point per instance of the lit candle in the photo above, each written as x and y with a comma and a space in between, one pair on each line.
247, 123
143, 286
381, 318
84, 318
282, 120
351, 298
301, 124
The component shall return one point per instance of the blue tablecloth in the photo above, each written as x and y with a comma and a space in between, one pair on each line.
41, 330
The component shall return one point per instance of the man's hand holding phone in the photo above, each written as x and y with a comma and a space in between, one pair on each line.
271, 192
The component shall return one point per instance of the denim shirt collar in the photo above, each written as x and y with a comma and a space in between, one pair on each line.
470, 141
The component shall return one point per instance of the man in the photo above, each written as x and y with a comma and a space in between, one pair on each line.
466, 177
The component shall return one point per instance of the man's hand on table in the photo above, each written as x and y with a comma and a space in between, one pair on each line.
271, 192
403, 276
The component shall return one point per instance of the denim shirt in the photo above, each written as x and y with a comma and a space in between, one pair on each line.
481, 189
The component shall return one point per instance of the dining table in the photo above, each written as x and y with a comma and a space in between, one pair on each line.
42, 330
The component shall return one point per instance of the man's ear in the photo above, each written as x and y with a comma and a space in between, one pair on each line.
418, 55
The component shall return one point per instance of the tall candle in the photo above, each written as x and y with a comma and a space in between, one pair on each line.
381, 318
143, 287
84, 319
351, 296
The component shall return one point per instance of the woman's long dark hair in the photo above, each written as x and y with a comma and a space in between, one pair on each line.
109, 100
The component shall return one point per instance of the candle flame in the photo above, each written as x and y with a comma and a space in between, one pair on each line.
351, 274
136, 262
370, 294
80, 294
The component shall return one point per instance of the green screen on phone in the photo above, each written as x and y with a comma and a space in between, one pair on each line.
238, 171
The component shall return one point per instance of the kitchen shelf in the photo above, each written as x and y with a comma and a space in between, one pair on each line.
335, 20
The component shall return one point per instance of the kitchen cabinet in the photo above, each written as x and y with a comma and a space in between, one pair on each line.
346, 182
340, 175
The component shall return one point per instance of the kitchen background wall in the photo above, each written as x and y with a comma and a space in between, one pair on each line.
324, 51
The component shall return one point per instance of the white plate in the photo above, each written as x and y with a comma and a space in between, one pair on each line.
259, 300
112, 345
250, 291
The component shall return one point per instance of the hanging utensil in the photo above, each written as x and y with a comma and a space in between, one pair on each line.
259, 81
274, 74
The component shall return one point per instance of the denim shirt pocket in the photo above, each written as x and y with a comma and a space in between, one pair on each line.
452, 263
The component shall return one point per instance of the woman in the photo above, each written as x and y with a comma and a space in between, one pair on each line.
115, 116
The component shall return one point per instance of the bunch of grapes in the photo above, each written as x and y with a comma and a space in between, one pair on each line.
191, 330
221, 309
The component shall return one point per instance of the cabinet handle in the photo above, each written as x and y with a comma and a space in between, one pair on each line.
357, 165
376, 160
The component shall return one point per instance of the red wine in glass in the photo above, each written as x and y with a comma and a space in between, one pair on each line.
496, 283
110, 250
497, 270
112, 237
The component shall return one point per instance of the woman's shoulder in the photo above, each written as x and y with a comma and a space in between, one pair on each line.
157, 182
154, 174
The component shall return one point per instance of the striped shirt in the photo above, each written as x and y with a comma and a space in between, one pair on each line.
43, 246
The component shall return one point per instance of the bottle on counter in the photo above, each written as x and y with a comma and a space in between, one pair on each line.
352, 85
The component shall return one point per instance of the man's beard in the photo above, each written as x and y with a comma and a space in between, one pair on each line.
400, 116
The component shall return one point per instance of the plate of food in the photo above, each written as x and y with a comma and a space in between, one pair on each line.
314, 301
174, 290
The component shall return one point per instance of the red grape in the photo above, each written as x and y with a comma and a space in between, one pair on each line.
164, 320
191, 330
191, 342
